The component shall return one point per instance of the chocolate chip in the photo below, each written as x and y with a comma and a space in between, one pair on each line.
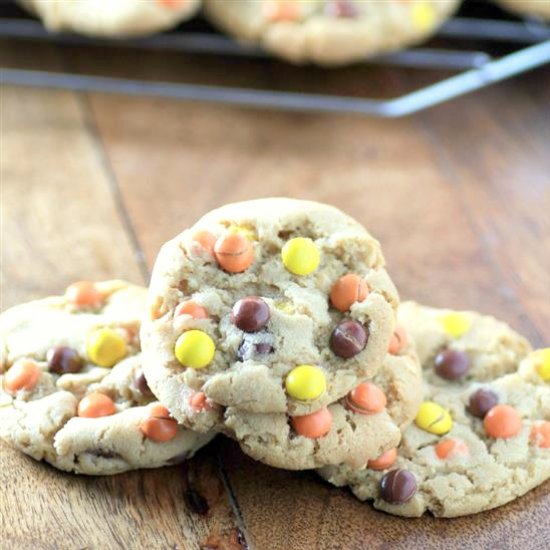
451, 364
255, 345
398, 486
348, 339
63, 360
140, 382
481, 402
250, 314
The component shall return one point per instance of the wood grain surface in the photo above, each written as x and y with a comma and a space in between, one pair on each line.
92, 185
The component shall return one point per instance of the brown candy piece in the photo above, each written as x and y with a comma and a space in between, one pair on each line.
481, 402
250, 314
451, 364
140, 382
342, 8
348, 339
63, 360
398, 486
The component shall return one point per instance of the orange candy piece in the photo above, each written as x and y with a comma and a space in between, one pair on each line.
347, 290
23, 375
95, 405
159, 426
282, 10
313, 425
205, 239
191, 308
367, 398
384, 461
234, 252
84, 293
399, 340
198, 402
450, 448
173, 4
502, 422
540, 434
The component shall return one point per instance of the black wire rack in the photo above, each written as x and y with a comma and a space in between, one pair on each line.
473, 67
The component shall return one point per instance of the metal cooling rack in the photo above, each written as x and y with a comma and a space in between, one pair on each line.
475, 68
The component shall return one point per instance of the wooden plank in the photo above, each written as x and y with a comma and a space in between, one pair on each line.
61, 222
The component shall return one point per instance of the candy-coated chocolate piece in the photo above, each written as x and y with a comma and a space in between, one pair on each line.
455, 323
63, 359
398, 486
451, 364
348, 339
250, 314
106, 347
540, 434
423, 16
542, 363
84, 294
281, 10
300, 256
22, 375
341, 8
502, 422
433, 418
198, 402
195, 349
234, 252
384, 461
140, 382
481, 402
172, 4
159, 426
206, 240
191, 308
347, 290
399, 340
451, 448
366, 398
95, 405
305, 382
313, 425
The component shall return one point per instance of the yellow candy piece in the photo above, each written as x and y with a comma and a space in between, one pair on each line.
195, 349
300, 256
541, 359
433, 418
285, 307
423, 16
106, 347
455, 323
306, 382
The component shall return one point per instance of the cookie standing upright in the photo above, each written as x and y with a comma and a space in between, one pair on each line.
481, 438
111, 18
330, 32
73, 391
268, 306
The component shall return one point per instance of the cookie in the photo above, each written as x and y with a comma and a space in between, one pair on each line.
110, 18
72, 386
476, 443
358, 428
527, 8
330, 32
267, 306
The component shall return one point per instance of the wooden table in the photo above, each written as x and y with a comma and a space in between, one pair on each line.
92, 185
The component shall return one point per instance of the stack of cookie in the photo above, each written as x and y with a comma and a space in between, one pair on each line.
275, 323
270, 321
